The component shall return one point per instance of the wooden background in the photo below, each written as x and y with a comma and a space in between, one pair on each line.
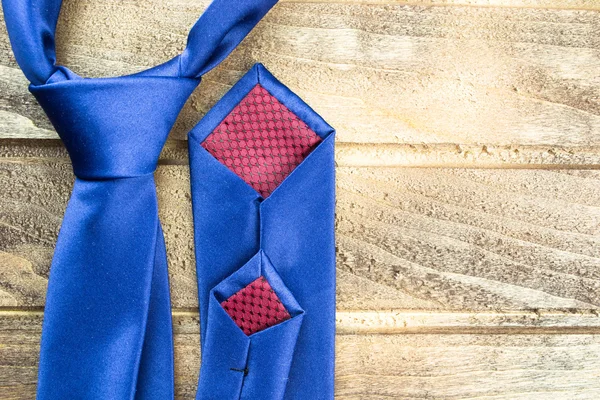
468, 223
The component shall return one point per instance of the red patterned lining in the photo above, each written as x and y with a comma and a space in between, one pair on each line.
256, 307
261, 140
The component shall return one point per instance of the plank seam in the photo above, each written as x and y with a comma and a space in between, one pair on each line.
395, 322
373, 155
541, 5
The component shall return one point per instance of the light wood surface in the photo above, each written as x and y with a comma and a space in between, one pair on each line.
376, 367
379, 73
468, 185
415, 238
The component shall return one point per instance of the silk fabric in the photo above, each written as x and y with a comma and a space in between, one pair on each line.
288, 237
107, 331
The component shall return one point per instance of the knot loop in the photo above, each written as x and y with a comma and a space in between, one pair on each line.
114, 127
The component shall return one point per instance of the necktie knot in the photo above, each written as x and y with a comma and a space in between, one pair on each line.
114, 127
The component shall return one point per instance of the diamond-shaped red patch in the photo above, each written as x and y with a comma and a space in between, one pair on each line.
256, 307
261, 140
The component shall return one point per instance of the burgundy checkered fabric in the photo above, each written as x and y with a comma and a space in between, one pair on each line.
261, 140
256, 307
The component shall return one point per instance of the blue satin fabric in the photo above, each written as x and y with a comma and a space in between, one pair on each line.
107, 330
290, 236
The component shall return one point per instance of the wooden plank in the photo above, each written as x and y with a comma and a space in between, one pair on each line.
557, 4
375, 155
399, 366
460, 367
391, 322
380, 73
410, 238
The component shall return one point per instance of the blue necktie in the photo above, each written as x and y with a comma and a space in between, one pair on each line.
107, 331
263, 198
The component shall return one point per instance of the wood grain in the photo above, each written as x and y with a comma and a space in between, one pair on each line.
562, 4
410, 238
374, 367
388, 322
376, 155
454, 282
379, 73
